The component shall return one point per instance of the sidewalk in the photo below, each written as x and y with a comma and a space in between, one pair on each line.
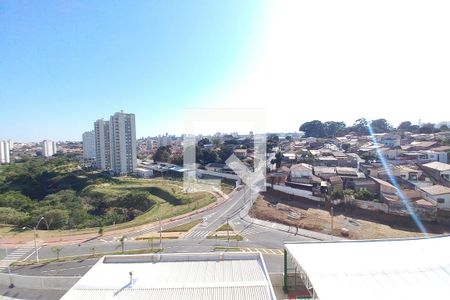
285, 228
290, 229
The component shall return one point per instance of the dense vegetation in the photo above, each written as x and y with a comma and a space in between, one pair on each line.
70, 197
331, 129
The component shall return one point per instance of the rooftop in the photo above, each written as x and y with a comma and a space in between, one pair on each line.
436, 190
412, 269
176, 276
438, 166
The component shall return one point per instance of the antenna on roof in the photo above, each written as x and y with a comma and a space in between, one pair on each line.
131, 278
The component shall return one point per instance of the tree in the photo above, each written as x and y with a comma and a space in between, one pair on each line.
405, 126
203, 142
277, 160
272, 141
150, 243
427, 128
101, 231
121, 243
444, 127
380, 126
364, 195
333, 129
57, 250
162, 154
225, 152
17, 201
360, 127
313, 129
9, 215
337, 194
56, 218
176, 159
208, 156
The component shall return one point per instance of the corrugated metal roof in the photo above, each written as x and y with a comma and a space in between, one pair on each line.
379, 269
170, 276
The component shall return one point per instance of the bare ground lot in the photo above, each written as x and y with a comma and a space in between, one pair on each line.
360, 223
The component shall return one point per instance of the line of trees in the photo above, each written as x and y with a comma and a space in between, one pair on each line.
332, 129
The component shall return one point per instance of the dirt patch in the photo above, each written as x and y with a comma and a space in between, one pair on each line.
307, 214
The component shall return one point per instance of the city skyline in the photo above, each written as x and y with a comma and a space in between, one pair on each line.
157, 59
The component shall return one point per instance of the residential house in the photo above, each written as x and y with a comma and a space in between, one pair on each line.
439, 193
335, 183
324, 172
144, 173
438, 169
279, 177
440, 154
289, 158
299, 172
240, 153
363, 185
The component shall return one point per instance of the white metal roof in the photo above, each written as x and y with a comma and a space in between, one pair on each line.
380, 269
176, 276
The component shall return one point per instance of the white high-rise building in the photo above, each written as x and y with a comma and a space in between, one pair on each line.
123, 143
11, 144
102, 145
48, 148
4, 152
89, 145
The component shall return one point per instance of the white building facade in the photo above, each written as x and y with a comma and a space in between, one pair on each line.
102, 145
89, 145
123, 143
48, 148
4, 152
115, 143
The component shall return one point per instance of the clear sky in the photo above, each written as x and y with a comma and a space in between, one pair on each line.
64, 64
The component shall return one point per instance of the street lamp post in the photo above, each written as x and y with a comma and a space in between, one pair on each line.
35, 239
160, 235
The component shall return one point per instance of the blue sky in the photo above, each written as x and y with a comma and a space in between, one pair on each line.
64, 64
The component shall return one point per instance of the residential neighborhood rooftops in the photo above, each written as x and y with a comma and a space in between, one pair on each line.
438, 166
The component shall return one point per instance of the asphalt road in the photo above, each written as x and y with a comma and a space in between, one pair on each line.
269, 241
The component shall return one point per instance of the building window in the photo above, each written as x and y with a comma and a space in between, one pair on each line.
441, 200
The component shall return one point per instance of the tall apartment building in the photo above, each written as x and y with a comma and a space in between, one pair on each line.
4, 152
11, 144
102, 145
48, 148
89, 145
123, 143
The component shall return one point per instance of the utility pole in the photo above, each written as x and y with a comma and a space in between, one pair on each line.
160, 235
11, 284
228, 232
332, 217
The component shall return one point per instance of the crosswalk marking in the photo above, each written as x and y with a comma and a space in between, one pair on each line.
264, 251
197, 234
252, 231
15, 255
